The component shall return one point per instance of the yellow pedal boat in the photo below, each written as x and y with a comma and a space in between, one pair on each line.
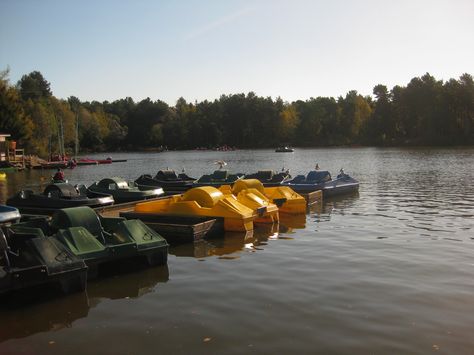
287, 200
264, 210
203, 201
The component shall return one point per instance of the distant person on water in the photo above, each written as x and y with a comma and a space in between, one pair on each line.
59, 176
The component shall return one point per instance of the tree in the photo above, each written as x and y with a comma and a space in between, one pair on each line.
13, 118
355, 111
34, 86
287, 123
145, 115
382, 127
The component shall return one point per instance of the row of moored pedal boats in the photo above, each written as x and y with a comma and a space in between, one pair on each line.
63, 235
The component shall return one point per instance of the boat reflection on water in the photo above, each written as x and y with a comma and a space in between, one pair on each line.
333, 205
127, 285
24, 314
231, 243
3, 190
290, 222
19, 321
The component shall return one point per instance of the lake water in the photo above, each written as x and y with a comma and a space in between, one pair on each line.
387, 271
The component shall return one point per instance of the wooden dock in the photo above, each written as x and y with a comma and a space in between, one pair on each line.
175, 229
313, 197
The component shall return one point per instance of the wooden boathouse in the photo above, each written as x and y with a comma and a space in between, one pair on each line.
10, 156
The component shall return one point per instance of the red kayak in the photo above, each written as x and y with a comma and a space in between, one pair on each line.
87, 161
104, 161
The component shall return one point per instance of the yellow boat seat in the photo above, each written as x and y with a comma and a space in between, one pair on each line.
287, 200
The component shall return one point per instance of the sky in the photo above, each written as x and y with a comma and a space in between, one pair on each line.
200, 49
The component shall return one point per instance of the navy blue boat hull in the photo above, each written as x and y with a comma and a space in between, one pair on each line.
339, 186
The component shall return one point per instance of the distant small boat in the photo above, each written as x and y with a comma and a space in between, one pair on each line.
284, 149
89, 161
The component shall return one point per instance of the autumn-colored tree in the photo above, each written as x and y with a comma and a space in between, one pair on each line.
425, 111
13, 118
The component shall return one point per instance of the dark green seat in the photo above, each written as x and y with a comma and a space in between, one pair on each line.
61, 190
166, 175
205, 179
78, 217
82, 243
318, 176
264, 175
220, 175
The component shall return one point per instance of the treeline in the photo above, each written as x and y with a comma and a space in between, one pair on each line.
425, 112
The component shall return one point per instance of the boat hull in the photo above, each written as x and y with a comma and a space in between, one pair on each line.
9, 214
145, 182
112, 186
57, 196
330, 188
39, 260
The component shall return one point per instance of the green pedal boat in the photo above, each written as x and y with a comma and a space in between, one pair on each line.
98, 240
122, 191
28, 258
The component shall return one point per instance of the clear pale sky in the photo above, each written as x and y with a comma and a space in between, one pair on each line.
107, 50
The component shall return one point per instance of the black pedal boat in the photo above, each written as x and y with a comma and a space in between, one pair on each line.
168, 180
218, 178
269, 178
57, 196
124, 192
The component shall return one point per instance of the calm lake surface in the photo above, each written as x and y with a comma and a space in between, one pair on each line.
387, 271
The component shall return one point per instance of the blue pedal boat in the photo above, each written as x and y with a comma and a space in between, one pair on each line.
321, 180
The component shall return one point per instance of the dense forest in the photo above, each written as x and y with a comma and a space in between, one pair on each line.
424, 112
